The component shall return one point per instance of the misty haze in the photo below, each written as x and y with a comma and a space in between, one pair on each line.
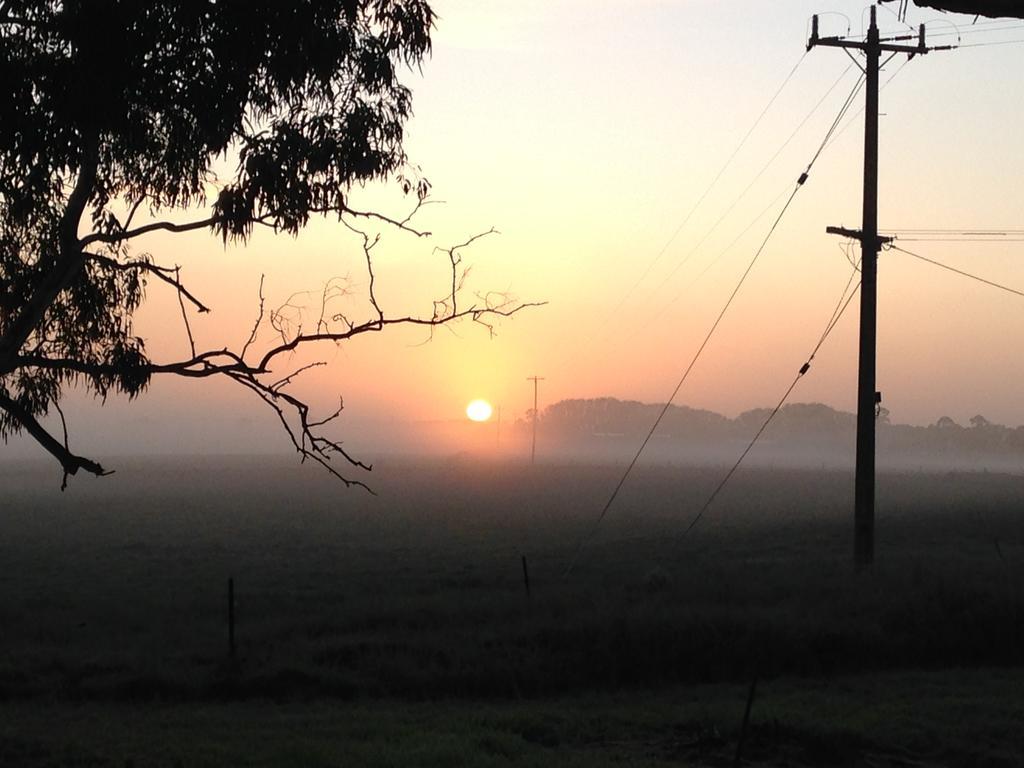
436, 383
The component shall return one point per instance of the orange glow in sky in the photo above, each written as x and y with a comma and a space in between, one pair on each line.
589, 134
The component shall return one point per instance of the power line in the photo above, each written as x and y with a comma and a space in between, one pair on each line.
975, 239
828, 136
837, 313
979, 27
682, 379
712, 185
859, 112
719, 255
1000, 286
954, 231
984, 45
749, 186
686, 373
1006, 27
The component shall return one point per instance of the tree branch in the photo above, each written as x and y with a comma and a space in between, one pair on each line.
68, 461
69, 261
156, 226
292, 412
266, 218
162, 273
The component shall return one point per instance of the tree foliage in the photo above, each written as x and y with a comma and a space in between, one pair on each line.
111, 106
995, 8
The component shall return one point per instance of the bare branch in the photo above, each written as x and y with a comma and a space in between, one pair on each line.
332, 417
69, 462
335, 288
156, 226
131, 213
256, 325
306, 443
402, 224
67, 448
368, 245
266, 218
448, 306
184, 314
277, 385
162, 273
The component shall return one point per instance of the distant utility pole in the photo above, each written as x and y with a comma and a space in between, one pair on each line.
533, 445
867, 396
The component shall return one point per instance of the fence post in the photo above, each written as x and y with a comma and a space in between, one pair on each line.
231, 617
746, 721
526, 577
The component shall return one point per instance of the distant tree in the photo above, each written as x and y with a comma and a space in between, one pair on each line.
980, 422
111, 110
884, 415
945, 422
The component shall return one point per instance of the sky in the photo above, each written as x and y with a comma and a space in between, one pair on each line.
586, 132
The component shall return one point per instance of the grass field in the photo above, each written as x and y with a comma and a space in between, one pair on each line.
395, 630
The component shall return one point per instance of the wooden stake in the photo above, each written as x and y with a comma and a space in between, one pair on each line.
231, 617
746, 721
526, 578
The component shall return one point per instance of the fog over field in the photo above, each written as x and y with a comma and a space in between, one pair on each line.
507, 384
603, 431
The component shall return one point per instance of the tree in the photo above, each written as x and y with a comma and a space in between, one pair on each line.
995, 8
112, 110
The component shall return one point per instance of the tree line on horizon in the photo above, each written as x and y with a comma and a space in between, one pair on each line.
608, 417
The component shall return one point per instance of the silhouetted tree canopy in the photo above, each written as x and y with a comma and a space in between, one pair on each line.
111, 106
994, 8
809, 425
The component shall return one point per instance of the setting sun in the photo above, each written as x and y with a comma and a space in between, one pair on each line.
479, 410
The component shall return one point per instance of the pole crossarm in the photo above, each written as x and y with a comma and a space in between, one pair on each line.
856, 234
886, 45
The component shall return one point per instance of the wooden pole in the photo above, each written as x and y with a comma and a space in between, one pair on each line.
871, 243
864, 484
533, 445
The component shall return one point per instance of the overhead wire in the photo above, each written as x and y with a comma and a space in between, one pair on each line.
718, 257
993, 43
992, 283
993, 26
712, 185
739, 198
956, 235
859, 112
707, 339
957, 32
974, 239
954, 231
837, 314
789, 76
842, 112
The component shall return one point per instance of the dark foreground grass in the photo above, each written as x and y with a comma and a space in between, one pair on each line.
405, 616
958, 718
118, 592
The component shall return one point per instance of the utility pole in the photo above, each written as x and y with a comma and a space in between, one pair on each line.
533, 445
867, 396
